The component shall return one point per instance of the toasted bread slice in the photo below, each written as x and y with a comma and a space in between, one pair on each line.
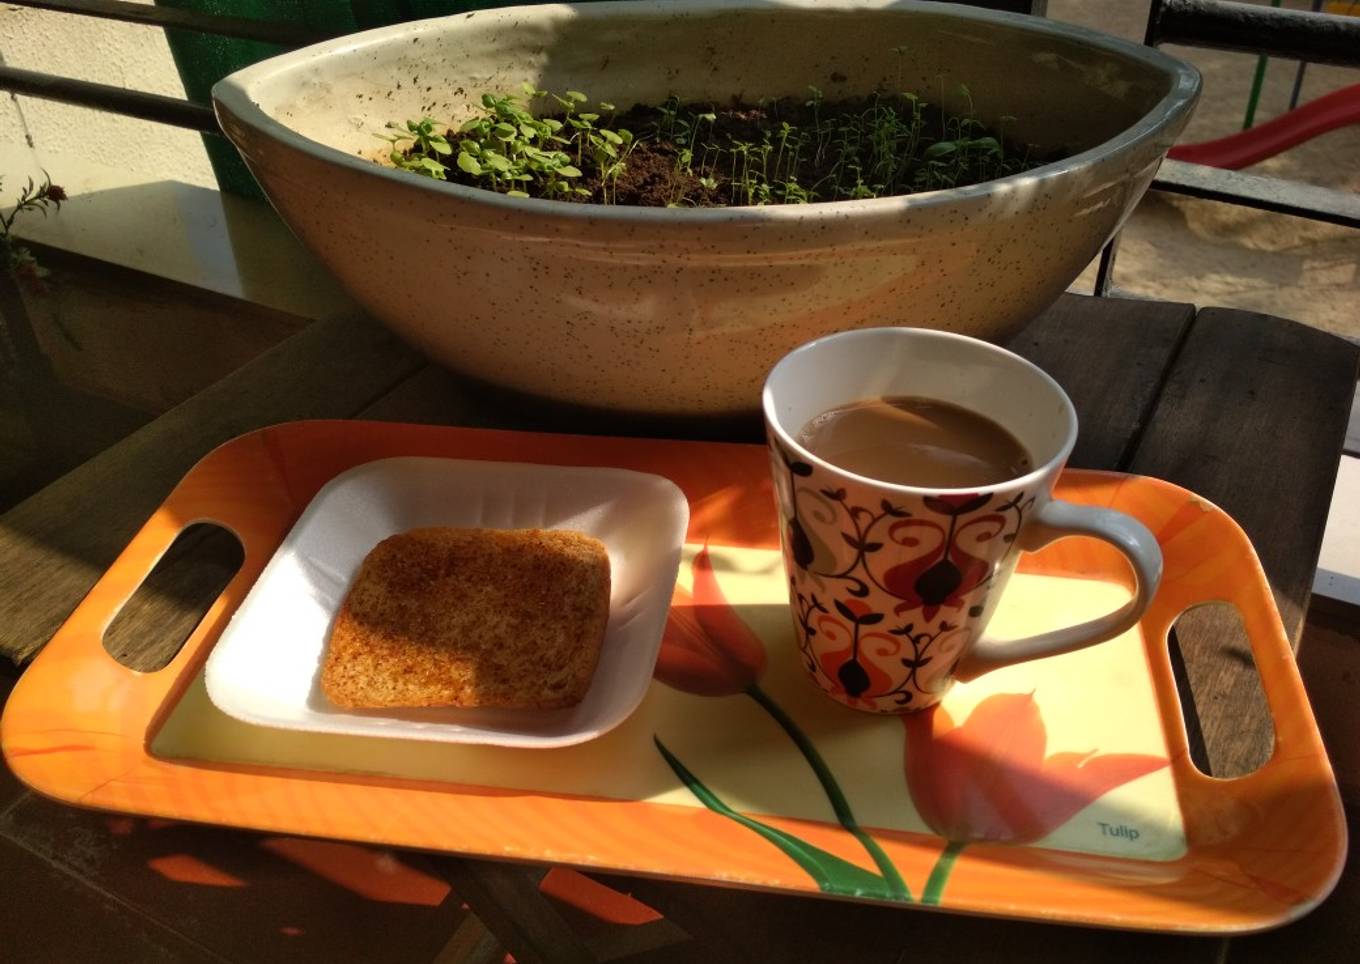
471, 617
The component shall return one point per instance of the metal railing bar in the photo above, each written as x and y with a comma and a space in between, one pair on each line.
1318, 38
1262, 193
117, 100
241, 28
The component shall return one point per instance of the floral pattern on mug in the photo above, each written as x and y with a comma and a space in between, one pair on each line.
888, 594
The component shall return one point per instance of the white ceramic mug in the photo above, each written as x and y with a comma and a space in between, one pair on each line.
892, 586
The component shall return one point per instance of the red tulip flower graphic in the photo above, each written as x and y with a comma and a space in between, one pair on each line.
989, 779
707, 649
948, 573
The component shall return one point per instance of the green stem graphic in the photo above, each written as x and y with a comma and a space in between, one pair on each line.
831, 874
839, 805
940, 873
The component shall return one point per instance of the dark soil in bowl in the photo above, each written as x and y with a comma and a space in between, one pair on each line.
781, 151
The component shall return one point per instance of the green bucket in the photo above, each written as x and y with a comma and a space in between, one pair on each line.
204, 59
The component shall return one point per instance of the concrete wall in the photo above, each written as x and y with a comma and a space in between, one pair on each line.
125, 55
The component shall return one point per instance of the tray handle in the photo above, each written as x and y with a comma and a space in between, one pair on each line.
1222, 567
1286, 699
215, 491
1280, 826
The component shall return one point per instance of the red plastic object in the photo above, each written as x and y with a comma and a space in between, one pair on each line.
1329, 112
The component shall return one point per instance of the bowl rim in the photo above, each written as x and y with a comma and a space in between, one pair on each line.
232, 97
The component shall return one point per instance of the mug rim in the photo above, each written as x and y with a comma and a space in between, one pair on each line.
1031, 477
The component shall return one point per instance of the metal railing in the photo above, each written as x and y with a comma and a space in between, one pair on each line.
184, 113
241, 28
1306, 36
133, 103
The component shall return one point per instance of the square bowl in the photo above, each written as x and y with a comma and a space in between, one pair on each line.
266, 667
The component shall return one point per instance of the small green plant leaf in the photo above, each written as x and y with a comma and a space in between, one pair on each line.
880, 151
431, 167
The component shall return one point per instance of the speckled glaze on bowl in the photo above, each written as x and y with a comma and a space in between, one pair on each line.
685, 310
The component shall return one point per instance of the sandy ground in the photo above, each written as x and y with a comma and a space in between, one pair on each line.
1217, 254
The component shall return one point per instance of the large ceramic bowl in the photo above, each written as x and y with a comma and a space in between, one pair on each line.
685, 310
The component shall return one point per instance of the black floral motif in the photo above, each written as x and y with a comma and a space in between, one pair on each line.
955, 505
937, 563
859, 619
799, 544
807, 606
1019, 505
853, 677
939, 582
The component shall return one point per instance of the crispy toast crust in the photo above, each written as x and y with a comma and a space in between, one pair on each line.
471, 617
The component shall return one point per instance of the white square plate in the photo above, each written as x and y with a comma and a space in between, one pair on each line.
265, 668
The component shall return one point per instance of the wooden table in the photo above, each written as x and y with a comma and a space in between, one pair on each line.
1248, 410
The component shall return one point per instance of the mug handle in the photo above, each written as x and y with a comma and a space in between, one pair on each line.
1058, 520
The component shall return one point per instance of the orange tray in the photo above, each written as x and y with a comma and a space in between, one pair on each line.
1061, 790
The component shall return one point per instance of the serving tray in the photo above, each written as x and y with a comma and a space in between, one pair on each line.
1056, 790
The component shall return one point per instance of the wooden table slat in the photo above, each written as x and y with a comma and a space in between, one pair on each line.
1329, 660
1252, 418
56, 544
152, 627
506, 898
1258, 398
1110, 355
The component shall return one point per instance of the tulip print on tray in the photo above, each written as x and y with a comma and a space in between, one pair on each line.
708, 650
986, 779
990, 780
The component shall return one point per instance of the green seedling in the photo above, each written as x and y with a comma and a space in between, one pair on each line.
417, 147
15, 258
816, 151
